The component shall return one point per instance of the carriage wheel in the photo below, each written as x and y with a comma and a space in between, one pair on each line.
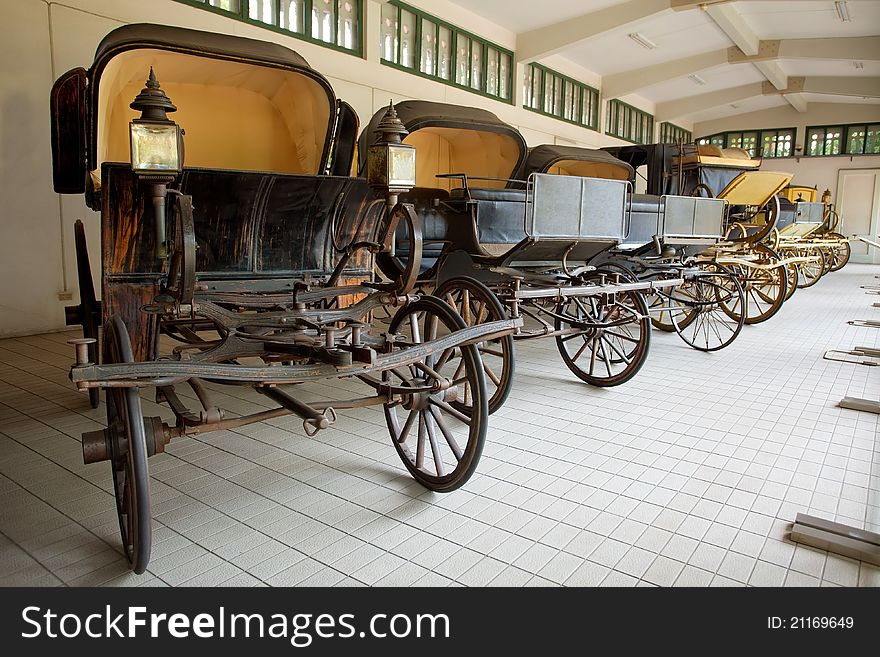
477, 304
809, 273
612, 338
841, 252
791, 272
128, 453
676, 312
764, 288
710, 327
438, 443
88, 313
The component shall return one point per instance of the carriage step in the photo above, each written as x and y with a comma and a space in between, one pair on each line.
864, 322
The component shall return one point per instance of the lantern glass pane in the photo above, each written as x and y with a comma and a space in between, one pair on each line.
402, 166
154, 147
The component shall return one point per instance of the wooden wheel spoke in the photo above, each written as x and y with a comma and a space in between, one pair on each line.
407, 426
491, 374
458, 415
435, 448
420, 445
617, 351
447, 433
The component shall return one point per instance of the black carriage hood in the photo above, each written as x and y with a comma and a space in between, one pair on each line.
197, 42
541, 158
657, 157
418, 114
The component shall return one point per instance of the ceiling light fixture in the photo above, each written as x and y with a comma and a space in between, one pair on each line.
842, 11
696, 79
859, 64
642, 40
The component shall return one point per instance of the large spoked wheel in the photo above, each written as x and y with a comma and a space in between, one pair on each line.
764, 285
841, 252
811, 271
477, 304
439, 444
606, 337
710, 327
128, 453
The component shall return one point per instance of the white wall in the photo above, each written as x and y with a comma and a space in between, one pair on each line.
41, 39
820, 172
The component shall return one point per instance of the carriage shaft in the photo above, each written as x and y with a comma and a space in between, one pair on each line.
147, 373
594, 290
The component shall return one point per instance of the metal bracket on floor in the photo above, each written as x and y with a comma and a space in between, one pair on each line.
856, 356
871, 323
859, 404
835, 537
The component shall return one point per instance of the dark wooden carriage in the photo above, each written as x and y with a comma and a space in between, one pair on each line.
265, 273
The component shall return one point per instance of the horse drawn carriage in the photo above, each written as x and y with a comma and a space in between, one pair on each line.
752, 211
499, 244
254, 259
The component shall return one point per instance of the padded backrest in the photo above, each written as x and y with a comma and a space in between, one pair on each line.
589, 170
477, 153
236, 115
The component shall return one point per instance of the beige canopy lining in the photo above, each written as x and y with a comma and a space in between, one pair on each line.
476, 153
236, 116
589, 170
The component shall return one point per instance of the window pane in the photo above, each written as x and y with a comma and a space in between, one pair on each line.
832, 140
492, 71
428, 57
347, 29
569, 108
324, 20
872, 139
548, 93
476, 65
558, 98
389, 33
815, 139
855, 139
462, 58
504, 76
444, 53
228, 5
262, 10
292, 15
407, 38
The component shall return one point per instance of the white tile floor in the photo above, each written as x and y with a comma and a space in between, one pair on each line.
689, 475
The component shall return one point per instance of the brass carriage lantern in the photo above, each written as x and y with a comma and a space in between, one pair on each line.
391, 164
156, 150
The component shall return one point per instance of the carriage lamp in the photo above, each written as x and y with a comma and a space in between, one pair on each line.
391, 164
156, 150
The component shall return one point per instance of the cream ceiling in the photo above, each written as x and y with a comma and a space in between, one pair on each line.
712, 39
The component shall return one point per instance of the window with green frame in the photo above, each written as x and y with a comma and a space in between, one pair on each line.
629, 123
851, 139
423, 44
333, 23
672, 134
559, 96
768, 142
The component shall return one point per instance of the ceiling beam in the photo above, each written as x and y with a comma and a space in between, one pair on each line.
735, 27
863, 87
769, 51
741, 33
550, 39
834, 48
674, 109
620, 84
